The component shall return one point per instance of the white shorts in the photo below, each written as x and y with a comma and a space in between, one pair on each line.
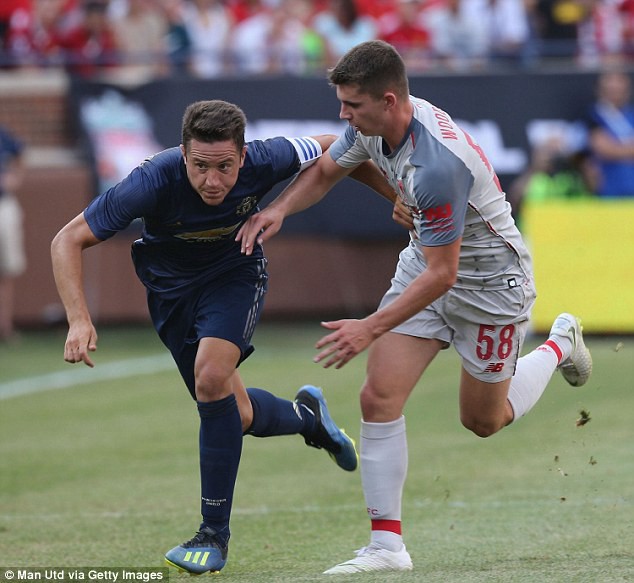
12, 255
487, 327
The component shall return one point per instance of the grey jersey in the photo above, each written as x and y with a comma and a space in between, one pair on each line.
445, 178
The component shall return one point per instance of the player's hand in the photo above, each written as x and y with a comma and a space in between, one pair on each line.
402, 214
350, 337
81, 339
258, 228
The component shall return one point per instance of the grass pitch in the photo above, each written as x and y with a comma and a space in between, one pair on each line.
103, 470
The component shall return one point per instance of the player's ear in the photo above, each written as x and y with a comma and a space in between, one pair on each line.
243, 155
183, 152
390, 100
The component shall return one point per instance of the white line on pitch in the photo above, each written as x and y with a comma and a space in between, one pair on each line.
65, 379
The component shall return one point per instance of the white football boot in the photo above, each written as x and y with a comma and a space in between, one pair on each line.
576, 369
374, 558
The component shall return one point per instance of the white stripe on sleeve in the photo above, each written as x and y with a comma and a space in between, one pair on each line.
308, 150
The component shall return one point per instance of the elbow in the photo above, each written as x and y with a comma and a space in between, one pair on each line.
60, 244
60, 240
72, 237
449, 283
56, 243
327, 140
447, 279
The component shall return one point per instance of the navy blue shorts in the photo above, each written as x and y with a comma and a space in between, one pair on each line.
228, 307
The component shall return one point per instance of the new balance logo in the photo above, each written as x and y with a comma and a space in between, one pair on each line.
439, 219
438, 213
198, 558
494, 367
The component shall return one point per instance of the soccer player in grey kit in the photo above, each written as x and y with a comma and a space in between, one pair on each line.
465, 278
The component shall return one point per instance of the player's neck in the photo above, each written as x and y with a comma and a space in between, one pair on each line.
399, 126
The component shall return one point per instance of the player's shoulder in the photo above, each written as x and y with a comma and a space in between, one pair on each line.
431, 116
164, 165
263, 149
270, 153
164, 158
437, 134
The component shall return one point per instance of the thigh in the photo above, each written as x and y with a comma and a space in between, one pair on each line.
227, 310
395, 364
428, 323
215, 364
230, 310
489, 330
484, 408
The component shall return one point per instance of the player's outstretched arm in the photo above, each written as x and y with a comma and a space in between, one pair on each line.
369, 174
347, 338
260, 227
66, 255
307, 189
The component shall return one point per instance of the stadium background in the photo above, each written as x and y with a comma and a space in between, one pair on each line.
337, 258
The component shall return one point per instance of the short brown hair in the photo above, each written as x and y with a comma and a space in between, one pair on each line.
375, 67
213, 121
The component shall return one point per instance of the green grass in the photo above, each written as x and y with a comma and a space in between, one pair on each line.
105, 473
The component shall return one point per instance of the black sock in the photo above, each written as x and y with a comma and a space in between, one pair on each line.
275, 416
220, 451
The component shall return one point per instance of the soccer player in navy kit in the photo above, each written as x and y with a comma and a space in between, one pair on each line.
204, 295
465, 279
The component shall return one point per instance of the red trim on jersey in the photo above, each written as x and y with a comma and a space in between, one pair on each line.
552, 344
492, 230
389, 525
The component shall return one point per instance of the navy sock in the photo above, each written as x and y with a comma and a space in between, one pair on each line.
275, 416
220, 451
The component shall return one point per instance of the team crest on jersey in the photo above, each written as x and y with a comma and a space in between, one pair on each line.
439, 219
246, 206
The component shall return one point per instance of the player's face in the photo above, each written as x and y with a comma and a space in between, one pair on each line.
213, 168
362, 111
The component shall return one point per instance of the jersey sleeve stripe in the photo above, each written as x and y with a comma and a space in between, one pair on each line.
310, 145
308, 150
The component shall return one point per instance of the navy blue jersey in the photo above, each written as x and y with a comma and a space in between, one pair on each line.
185, 241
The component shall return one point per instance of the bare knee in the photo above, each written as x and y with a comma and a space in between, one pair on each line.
484, 407
212, 382
379, 406
482, 426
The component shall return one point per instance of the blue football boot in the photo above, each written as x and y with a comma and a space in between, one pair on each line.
205, 553
327, 435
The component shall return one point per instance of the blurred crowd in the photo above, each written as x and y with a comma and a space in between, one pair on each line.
143, 39
602, 165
